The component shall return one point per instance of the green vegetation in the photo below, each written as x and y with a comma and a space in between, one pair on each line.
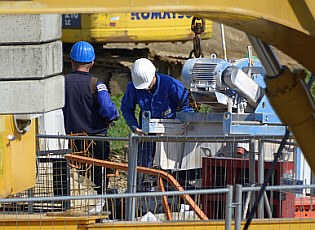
312, 90
120, 129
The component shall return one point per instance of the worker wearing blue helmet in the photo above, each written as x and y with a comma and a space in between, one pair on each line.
88, 107
158, 93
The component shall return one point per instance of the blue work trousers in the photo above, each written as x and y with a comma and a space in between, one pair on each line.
146, 155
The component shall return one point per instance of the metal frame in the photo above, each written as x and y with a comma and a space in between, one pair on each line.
248, 123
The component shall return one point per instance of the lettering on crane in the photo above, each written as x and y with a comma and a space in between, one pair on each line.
71, 21
156, 15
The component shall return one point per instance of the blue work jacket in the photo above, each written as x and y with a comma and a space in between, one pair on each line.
84, 111
170, 96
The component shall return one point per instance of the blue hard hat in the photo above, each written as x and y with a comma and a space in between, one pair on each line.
82, 52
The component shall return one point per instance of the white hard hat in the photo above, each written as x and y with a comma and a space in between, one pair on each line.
142, 73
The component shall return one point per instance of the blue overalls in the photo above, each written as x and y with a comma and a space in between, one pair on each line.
170, 97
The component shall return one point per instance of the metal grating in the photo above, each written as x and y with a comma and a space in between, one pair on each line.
204, 72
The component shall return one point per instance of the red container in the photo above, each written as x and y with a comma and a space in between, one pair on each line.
219, 172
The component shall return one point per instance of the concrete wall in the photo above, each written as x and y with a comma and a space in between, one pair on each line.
31, 64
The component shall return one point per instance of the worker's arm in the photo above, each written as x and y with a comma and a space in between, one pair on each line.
128, 106
107, 107
180, 97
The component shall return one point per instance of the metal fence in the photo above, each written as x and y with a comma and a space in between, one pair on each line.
213, 183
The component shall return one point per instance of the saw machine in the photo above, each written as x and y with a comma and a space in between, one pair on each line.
234, 91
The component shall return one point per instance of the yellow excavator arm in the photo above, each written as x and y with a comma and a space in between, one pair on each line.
288, 25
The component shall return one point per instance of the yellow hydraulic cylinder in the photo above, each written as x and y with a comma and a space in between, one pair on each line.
17, 158
294, 105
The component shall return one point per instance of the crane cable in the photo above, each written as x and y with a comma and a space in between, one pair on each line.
267, 178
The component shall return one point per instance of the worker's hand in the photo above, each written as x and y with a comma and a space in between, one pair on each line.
139, 132
111, 124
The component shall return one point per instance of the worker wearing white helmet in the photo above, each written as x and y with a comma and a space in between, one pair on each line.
142, 73
158, 93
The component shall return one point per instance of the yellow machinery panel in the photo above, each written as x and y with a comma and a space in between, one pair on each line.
17, 158
129, 27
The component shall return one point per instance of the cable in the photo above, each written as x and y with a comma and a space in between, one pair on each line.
267, 178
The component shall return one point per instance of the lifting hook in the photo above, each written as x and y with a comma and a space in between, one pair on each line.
197, 28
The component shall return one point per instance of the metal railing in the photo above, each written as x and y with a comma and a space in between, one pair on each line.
240, 189
255, 144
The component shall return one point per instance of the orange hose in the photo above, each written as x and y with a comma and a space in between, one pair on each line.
144, 170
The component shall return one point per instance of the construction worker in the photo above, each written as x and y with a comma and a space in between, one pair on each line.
160, 94
88, 107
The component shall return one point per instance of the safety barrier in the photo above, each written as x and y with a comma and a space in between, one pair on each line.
64, 191
304, 207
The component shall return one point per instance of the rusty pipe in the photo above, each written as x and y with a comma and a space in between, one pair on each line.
144, 170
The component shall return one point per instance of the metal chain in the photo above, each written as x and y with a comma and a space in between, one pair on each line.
197, 28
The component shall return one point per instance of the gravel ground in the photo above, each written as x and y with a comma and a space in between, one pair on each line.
120, 182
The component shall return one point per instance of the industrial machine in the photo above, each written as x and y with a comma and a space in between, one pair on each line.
134, 27
224, 85
234, 90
